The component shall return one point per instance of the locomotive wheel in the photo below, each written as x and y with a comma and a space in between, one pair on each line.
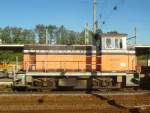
103, 83
51, 84
38, 83
96, 83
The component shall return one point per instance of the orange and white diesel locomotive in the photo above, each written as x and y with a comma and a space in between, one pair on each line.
106, 64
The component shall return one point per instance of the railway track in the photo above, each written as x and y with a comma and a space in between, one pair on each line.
109, 93
73, 102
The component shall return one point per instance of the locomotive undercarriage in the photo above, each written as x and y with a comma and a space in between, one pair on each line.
73, 83
40, 83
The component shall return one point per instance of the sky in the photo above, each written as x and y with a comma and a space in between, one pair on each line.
74, 14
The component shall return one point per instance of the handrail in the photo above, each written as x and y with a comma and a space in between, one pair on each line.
61, 66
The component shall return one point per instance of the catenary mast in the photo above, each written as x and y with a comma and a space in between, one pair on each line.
94, 16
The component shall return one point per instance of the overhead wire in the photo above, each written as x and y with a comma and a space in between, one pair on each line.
97, 2
114, 8
100, 16
102, 19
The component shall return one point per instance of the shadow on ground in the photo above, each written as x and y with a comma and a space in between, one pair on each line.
109, 101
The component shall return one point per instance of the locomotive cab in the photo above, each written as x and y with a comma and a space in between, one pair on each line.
117, 60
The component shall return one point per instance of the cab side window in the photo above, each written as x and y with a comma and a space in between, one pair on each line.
121, 46
118, 44
108, 43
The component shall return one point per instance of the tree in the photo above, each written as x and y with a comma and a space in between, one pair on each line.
9, 56
41, 32
5, 35
81, 39
52, 33
28, 36
55, 35
63, 35
99, 30
72, 37
5, 57
15, 35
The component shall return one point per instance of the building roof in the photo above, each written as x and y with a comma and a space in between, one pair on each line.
57, 47
14, 47
142, 46
11, 45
